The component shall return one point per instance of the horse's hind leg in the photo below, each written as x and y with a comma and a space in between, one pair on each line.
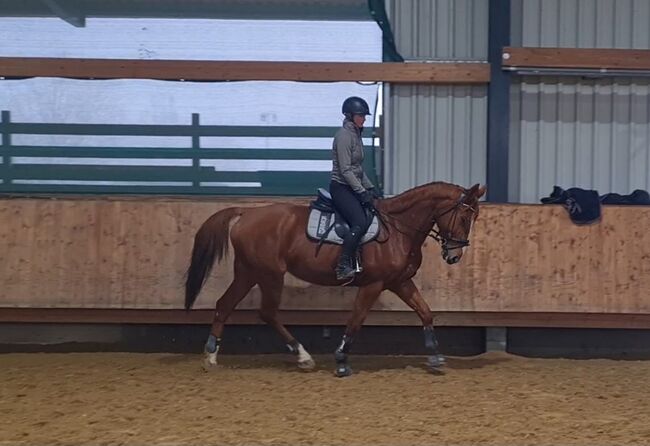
240, 286
271, 287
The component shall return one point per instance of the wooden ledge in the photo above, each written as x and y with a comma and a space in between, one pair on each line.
190, 70
576, 58
322, 317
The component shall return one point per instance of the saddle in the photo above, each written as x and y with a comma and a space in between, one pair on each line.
326, 225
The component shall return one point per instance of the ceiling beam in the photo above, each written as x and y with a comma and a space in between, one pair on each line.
321, 10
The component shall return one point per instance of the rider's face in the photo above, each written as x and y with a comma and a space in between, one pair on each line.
358, 120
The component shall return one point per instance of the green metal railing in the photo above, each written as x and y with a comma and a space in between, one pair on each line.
155, 179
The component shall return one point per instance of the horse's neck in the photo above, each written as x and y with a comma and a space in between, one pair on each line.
416, 208
419, 203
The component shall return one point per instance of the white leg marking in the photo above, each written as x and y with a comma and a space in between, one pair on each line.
210, 359
305, 361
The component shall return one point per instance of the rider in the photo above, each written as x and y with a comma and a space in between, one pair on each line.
350, 188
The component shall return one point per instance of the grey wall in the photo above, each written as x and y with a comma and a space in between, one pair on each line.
436, 132
573, 131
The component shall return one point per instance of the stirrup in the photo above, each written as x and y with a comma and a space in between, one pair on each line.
355, 262
357, 265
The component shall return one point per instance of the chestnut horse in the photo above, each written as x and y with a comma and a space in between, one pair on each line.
270, 241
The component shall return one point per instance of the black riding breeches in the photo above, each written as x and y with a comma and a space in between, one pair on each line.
349, 206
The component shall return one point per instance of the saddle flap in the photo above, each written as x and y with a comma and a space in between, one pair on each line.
321, 223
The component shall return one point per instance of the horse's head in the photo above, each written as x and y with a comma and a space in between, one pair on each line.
455, 222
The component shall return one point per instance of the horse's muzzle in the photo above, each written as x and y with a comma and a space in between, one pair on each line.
452, 259
450, 256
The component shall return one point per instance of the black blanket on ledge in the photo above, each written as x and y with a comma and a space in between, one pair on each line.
583, 205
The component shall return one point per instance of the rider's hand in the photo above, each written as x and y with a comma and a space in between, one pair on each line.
366, 199
376, 193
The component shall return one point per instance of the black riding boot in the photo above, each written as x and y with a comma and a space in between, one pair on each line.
346, 267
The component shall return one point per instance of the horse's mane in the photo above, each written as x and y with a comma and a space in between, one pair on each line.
407, 199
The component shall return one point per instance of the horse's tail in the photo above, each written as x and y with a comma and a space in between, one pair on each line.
210, 242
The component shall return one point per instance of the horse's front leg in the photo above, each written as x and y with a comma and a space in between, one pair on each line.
409, 293
366, 297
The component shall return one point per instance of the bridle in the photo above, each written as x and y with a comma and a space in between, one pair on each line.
448, 242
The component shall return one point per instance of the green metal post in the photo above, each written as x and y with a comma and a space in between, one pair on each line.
196, 153
4, 151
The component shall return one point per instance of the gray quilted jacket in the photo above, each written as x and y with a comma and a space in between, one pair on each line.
347, 158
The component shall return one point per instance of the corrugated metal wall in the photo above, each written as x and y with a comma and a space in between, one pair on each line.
570, 131
440, 29
584, 133
436, 132
581, 23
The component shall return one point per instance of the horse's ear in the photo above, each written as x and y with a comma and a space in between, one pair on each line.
477, 191
472, 190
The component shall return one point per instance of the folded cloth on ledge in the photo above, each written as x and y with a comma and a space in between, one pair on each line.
637, 197
583, 205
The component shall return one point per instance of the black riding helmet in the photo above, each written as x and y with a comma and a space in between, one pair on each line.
355, 105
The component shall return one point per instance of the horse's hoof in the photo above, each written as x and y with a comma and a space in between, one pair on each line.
436, 363
307, 365
342, 371
208, 367
209, 362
